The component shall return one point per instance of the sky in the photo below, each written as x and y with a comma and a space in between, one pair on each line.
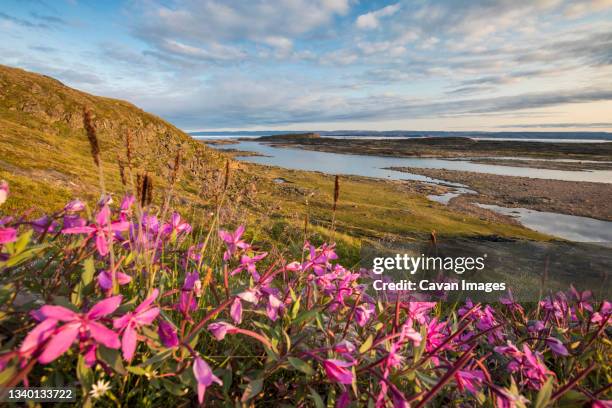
491, 65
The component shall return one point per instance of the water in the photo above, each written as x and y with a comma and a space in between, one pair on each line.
375, 166
573, 228
570, 227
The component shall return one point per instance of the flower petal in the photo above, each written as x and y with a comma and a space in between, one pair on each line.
105, 307
60, 342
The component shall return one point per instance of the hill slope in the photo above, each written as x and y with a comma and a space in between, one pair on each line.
45, 155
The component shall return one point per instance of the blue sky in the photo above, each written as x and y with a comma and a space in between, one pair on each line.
329, 64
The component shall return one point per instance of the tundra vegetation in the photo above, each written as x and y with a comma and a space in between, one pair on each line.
147, 299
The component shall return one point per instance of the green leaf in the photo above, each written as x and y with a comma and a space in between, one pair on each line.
572, 398
366, 344
318, 401
157, 358
8, 373
112, 357
252, 389
543, 398
84, 284
295, 309
84, 374
22, 241
174, 388
301, 365
24, 256
137, 370
304, 317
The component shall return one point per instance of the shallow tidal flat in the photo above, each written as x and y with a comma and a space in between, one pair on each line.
582, 199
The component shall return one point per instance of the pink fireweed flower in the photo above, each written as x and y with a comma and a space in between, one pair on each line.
338, 370
105, 279
236, 311
509, 301
44, 224
319, 258
73, 220
470, 380
363, 313
250, 295
582, 298
293, 266
604, 313
125, 209
249, 263
419, 311
232, 241
536, 326
274, 307
84, 326
74, 206
167, 334
220, 329
204, 377
38, 336
4, 191
143, 315
344, 347
556, 346
189, 294
176, 225
436, 334
102, 230
8, 235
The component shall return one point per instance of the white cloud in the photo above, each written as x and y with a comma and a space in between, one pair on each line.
371, 20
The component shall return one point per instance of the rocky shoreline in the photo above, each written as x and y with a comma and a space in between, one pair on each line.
582, 199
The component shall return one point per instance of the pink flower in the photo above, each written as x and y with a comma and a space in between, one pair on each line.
419, 310
345, 347
39, 335
232, 241
167, 334
44, 223
410, 334
187, 300
470, 380
143, 315
73, 220
4, 191
126, 207
344, 401
250, 295
236, 311
77, 325
204, 376
273, 307
556, 346
220, 329
105, 280
8, 235
604, 312
74, 206
337, 370
249, 263
363, 313
176, 225
102, 230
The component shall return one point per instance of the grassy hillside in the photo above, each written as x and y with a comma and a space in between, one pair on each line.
45, 155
